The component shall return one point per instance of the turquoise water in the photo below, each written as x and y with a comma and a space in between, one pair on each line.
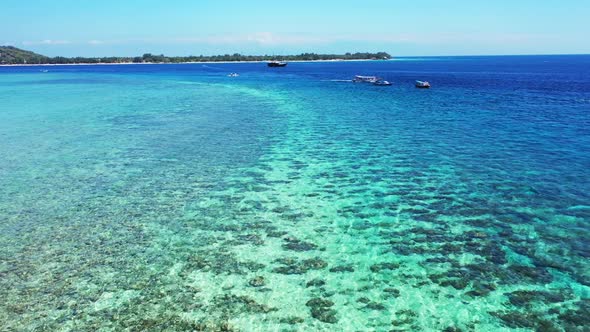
172, 197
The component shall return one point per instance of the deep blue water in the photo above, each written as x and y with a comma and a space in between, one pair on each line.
154, 197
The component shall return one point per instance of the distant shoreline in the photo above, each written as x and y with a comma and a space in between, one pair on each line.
172, 63
10, 55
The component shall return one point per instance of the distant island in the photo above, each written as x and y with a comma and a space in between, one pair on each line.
10, 55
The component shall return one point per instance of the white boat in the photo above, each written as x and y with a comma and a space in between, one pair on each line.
365, 79
422, 85
276, 64
233, 75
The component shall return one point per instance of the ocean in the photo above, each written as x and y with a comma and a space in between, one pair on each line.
174, 197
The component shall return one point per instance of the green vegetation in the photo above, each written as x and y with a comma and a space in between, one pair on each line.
12, 55
239, 57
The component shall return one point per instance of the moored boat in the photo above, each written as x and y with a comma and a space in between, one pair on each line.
422, 85
365, 79
276, 63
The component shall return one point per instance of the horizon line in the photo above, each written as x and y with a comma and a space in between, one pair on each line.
301, 53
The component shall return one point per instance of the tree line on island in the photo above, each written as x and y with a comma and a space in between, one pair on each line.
10, 55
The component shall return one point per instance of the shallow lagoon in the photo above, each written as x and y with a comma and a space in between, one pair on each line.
172, 197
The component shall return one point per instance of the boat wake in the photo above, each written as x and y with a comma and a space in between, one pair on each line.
211, 67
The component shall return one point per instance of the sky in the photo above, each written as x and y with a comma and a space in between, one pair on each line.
399, 27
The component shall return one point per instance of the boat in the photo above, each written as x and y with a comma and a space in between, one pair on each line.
366, 79
382, 82
276, 63
422, 85
233, 75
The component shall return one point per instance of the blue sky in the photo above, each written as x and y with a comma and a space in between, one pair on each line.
185, 27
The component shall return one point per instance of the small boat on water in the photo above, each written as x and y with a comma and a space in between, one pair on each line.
422, 85
382, 83
365, 79
233, 75
276, 63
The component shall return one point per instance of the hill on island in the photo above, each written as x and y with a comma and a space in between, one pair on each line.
10, 55
13, 55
